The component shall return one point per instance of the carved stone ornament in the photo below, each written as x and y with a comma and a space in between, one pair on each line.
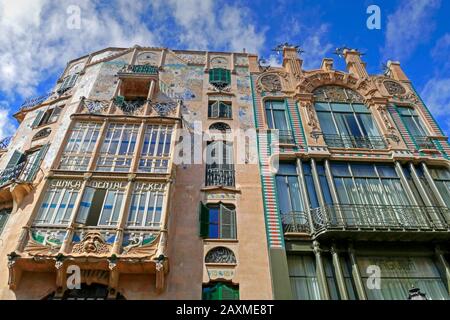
313, 122
129, 106
394, 88
42, 134
95, 106
92, 243
337, 94
271, 82
163, 109
220, 255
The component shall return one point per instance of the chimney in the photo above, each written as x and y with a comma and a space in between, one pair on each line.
292, 62
396, 72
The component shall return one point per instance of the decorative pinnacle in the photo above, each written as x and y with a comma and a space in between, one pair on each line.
279, 48
339, 51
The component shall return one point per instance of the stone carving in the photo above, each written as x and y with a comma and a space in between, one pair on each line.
337, 94
129, 106
92, 242
219, 88
219, 62
394, 88
164, 108
42, 134
220, 255
192, 58
313, 122
271, 83
95, 106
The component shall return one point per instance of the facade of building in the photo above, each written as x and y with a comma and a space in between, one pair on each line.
150, 173
359, 206
91, 182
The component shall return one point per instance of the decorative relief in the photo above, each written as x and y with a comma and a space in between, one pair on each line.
217, 274
219, 62
95, 106
271, 83
92, 243
42, 134
139, 243
337, 94
192, 58
313, 122
129, 106
220, 255
218, 88
163, 109
147, 58
394, 88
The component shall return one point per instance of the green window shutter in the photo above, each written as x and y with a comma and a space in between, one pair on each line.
219, 75
15, 159
229, 293
119, 100
227, 76
227, 223
38, 119
34, 167
204, 220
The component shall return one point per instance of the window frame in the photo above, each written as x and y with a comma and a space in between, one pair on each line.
159, 161
220, 114
205, 220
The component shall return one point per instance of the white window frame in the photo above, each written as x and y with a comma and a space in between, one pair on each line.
152, 161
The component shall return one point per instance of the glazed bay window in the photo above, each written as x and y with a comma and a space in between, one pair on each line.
303, 277
155, 154
58, 202
415, 127
441, 177
277, 118
217, 221
101, 204
219, 109
80, 145
290, 201
118, 148
400, 274
146, 206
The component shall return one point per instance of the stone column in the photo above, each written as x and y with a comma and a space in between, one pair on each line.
356, 275
321, 276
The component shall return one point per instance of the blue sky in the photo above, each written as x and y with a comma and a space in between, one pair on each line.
36, 43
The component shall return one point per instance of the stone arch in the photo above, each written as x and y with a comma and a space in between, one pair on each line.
220, 255
322, 78
220, 126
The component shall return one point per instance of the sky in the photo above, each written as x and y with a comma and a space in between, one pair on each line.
38, 37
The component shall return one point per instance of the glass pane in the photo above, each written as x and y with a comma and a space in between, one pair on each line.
280, 120
341, 107
322, 106
363, 170
326, 123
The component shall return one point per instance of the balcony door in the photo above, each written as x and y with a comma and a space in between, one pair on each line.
219, 163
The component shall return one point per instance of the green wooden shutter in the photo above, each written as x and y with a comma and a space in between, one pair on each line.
34, 167
227, 76
228, 293
8, 173
38, 119
227, 223
119, 100
204, 220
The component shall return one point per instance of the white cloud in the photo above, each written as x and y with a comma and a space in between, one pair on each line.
436, 95
213, 25
408, 27
316, 47
441, 51
7, 124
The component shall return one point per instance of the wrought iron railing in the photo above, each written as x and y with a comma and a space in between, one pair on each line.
295, 222
220, 175
139, 69
17, 173
32, 102
346, 141
424, 143
4, 143
380, 217
286, 136
129, 106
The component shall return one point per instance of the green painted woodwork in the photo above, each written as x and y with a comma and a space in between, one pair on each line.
203, 213
220, 291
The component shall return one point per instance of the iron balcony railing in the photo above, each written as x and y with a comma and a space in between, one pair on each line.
382, 217
220, 175
425, 143
139, 69
32, 102
19, 172
286, 137
346, 141
295, 222
4, 143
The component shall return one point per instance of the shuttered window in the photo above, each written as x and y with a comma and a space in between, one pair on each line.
67, 83
13, 168
219, 77
219, 109
220, 291
4, 215
33, 164
217, 222
46, 117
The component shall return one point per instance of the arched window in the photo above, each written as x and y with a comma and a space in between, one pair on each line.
345, 120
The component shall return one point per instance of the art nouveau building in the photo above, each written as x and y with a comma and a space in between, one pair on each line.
92, 180
362, 189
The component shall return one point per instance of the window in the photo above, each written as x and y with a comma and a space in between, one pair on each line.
4, 215
346, 124
57, 206
67, 83
399, 274
220, 78
155, 154
33, 164
217, 221
277, 119
118, 148
13, 168
80, 145
441, 177
412, 121
46, 117
220, 291
288, 189
219, 109
348, 278
303, 277
310, 188
219, 163
101, 206
146, 208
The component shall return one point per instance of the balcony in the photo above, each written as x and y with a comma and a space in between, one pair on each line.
425, 143
147, 69
220, 175
345, 141
101, 253
295, 222
372, 222
4, 143
17, 173
32, 102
